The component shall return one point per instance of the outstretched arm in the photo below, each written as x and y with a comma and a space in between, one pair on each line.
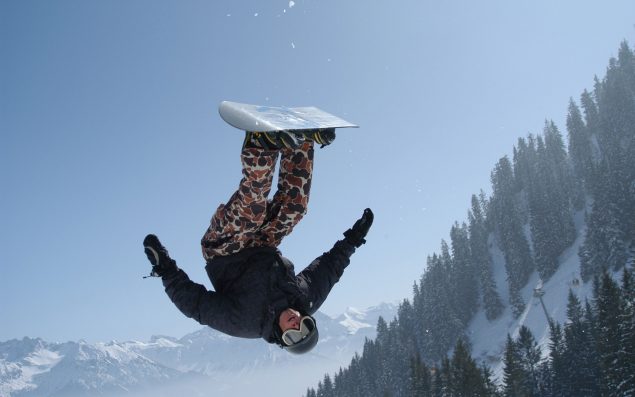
194, 300
322, 274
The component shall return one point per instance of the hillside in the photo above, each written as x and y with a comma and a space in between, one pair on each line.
559, 226
488, 337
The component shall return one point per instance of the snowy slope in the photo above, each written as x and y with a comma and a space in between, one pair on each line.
205, 362
488, 338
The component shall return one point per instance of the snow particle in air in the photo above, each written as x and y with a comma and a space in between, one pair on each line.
291, 4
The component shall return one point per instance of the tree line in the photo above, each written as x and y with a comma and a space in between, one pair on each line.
592, 354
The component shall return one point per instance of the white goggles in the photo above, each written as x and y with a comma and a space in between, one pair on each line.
292, 336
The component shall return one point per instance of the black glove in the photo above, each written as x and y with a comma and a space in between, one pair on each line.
355, 235
158, 256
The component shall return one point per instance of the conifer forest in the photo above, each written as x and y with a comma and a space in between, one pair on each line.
530, 214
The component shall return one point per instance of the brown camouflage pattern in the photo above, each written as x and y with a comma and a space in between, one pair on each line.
249, 219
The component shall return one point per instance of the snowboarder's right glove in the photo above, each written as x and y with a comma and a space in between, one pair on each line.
355, 235
158, 256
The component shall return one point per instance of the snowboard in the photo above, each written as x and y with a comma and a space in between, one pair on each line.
256, 118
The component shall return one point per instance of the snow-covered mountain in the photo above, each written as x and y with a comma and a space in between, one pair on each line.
205, 362
364, 321
33, 367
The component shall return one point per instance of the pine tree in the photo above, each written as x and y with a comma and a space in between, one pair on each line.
446, 377
491, 389
604, 246
610, 118
591, 324
464, 275
442, 325
325, 388
438, 386
558, 365
365, 370
383, 370
549, 192
529, 360
465, 377
580, 151
420, 381
518, 260
515, 300
579, 350
626, 355
608, 304
513, 376
480, 257
399, 349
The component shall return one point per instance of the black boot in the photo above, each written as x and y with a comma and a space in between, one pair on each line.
324, 136
158, 256
273, 140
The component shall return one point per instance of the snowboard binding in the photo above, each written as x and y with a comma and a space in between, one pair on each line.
275, 140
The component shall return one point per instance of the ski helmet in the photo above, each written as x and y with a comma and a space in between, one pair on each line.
300, 341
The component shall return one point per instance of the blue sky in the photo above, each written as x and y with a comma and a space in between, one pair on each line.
109, 131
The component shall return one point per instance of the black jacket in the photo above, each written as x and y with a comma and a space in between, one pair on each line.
254, 286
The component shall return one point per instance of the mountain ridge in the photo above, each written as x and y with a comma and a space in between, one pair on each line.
33, 367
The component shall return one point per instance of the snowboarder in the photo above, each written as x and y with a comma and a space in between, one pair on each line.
257, 293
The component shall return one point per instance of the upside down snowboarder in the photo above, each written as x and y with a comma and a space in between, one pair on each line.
257, 293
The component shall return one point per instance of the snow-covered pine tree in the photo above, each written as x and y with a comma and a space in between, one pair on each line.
607, 306
610, 120
513, 376
580, 379
626, 355
480, 256
464, 274
558, 366
442, 324
509, 231
420, 378
438, 387
580, 152
529, 360
562, 191
548, 191
466, 378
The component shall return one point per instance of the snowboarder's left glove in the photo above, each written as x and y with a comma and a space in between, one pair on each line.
158, 256
355, 235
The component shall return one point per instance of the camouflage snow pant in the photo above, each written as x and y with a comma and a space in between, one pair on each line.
249, 219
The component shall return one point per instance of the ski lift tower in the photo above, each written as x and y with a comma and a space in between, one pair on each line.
539, 293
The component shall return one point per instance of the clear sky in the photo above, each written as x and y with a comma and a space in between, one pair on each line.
109, 130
